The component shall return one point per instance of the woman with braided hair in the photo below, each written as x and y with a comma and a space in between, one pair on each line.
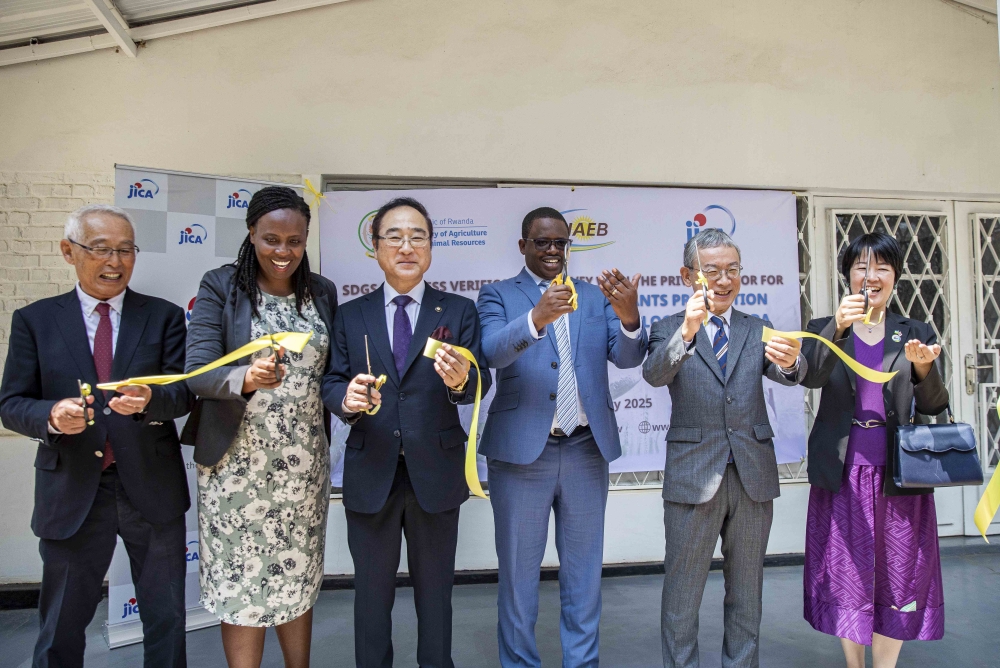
260, 435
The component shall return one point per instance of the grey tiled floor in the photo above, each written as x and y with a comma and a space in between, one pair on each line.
629, 626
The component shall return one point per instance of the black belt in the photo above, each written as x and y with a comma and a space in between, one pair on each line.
579, 430
868, 424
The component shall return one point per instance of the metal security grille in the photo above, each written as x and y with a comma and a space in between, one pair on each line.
922, 292
984, 369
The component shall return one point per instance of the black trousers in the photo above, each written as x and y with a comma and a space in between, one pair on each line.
375, 542
73, 572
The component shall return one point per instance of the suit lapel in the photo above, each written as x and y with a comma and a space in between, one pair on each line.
704, 348
130, 329
739, 328
74, 333
431, 310
575, 318
531, 290
373, 311
891, 348
849, 349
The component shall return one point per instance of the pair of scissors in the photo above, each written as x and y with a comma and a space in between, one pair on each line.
278, 360
864, 291
85, 391
564, 279
376, 385
702, 280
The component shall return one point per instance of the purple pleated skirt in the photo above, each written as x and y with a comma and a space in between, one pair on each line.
872, 563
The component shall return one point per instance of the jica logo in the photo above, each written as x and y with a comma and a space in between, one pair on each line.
195, 234
131, 608
143, 188
239, 199
721, 217
191, 551
188, 316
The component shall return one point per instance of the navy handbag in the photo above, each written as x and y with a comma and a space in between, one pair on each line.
936, 455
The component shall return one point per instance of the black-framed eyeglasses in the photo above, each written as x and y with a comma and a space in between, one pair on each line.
105, 251
545, 244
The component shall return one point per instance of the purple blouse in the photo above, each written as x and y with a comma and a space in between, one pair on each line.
866, 447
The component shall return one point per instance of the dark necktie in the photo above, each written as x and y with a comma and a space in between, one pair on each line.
103, 359
721, 344
402, 332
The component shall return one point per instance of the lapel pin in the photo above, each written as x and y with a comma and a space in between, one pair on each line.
897, 336
437, 308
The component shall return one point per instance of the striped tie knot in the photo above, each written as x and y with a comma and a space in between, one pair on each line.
718, 321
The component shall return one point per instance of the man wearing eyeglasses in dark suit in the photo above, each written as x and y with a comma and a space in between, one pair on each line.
116, 469
551, 433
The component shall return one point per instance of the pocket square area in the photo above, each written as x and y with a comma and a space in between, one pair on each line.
441, 334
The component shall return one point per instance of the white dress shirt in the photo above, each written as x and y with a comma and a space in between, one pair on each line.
91, 318
412, 309
582, 417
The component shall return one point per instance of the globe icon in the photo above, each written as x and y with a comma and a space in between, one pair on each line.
644, 427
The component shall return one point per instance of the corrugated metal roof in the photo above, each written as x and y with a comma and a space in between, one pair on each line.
22, 21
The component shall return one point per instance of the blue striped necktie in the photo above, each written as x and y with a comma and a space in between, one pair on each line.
720, 346
567, 404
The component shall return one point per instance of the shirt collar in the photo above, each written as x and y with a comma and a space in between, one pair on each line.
90, 303
727, 317
535, 277
416, 294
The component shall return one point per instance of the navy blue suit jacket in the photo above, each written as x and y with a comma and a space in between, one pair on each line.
418, 415
520, 416
49, 351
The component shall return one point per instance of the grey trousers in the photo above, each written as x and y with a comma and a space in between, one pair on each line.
691, 534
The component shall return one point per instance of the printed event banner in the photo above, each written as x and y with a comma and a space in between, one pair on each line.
185, 226
637, 230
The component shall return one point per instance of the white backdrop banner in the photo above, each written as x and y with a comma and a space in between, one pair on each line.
637, 230
185, 225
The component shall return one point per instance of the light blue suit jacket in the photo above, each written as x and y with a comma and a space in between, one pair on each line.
520, 416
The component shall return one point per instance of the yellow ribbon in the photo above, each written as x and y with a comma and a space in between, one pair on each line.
317, 196
294, 341
471, 471
986, 509
857, 367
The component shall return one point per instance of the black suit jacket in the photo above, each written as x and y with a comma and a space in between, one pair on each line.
49, 351
828, 439
418, 414
220, 323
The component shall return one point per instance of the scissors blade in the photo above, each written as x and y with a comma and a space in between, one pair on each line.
277, 360
368, 386
701, 274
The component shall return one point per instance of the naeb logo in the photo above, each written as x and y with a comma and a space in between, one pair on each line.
191, 553
195, 234
143, 189
585, 228
131, 608
239, 199
720, 220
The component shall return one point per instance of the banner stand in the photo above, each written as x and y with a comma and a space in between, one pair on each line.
130, 633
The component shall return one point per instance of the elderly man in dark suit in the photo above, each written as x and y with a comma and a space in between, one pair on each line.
721, 475
403, 466
119, 475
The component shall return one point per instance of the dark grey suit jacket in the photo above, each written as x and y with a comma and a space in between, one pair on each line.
220, 323
828, 439
712, 414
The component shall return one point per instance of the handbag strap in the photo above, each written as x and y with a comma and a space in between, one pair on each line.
913, 411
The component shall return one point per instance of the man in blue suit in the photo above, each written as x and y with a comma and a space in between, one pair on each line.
551, 433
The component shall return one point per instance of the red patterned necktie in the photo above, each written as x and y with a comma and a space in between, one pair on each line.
103, 359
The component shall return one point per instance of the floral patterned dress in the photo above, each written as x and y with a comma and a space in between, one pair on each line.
262, 509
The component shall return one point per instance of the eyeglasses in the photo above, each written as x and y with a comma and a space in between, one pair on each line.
545, 244
397, 242
106, 252
714, 274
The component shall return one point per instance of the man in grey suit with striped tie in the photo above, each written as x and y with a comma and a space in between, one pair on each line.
721, 475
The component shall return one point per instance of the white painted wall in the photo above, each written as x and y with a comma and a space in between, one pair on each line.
896, 95
889, 95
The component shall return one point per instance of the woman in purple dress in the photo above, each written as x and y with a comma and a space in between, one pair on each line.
872, 568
